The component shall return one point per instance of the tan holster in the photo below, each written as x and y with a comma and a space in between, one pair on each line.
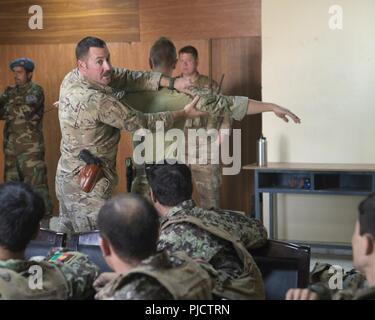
89, 175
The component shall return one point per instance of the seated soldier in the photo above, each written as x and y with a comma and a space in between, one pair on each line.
363, 244
129, 229
218, 237
65, 275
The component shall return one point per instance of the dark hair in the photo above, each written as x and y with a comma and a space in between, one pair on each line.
189, 49
367, 215
163, 53
131, 224
21, 210
170, 183
85, 44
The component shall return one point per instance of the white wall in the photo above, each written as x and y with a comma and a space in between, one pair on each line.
327, 77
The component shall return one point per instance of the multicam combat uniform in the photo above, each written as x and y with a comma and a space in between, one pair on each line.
161, 277
22, 108
208, 177
222, 239
218, 106
65, 275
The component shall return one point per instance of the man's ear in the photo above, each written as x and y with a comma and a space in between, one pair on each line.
369, 243
105, 247
82, 64
29, 76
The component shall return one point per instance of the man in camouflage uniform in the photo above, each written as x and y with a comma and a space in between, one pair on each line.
221, 238
63, 275
22, 108
91, 118
207, 177
129, 228
357, 285
163, 58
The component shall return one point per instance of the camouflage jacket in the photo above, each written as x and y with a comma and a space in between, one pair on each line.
187, 228
64, 275
91, 117
22, 109
219, 108
161, 277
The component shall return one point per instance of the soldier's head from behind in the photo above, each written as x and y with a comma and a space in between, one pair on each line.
163, 56
363, 240
93, 60
170, 185
129, 229
22, 69
21, 210
188, 59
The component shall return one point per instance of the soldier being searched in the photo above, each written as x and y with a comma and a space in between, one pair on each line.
129, 229
63, 275
22, 108
163, 59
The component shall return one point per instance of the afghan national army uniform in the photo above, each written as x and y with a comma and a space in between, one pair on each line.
161, 277
354, 284
216, 105
64, 275
22, 108
91, 118
221, 238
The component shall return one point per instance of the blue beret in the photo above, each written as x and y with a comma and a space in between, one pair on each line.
27, 63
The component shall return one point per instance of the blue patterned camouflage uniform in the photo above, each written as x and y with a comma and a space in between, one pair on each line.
91, 118
163, 276
200, 243
65, 275
22, 108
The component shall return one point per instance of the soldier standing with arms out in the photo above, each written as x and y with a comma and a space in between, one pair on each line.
91, 118
163, 58
22, 108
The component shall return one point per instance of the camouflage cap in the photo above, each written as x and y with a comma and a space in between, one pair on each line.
27, 63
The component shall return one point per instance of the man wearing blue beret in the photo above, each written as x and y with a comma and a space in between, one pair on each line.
22, 108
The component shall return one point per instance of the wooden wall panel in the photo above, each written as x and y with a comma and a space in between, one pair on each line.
69, 21
199, 19
240, 60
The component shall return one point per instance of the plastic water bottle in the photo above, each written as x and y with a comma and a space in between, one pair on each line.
262, 151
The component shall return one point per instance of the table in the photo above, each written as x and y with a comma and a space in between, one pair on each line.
310, 178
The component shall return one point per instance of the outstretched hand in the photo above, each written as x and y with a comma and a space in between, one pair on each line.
284, 113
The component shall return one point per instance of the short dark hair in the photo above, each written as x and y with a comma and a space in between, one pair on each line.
367, 215
189, 49
85, 44
163, 53
171, 184
131, 224
21, 210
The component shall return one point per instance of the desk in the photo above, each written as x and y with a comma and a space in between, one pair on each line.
310, 178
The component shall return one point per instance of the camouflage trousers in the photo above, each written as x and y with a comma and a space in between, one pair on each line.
78, 209
30, 169
207, 180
